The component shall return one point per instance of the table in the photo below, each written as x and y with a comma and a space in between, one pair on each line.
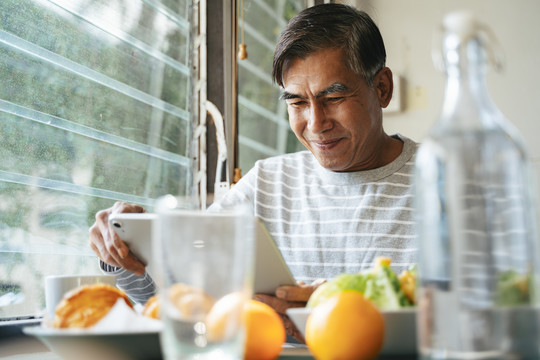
15, 345
29, 348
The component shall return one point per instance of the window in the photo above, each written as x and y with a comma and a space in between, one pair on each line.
262, 118
94, 108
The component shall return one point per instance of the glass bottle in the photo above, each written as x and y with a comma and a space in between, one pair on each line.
478, 267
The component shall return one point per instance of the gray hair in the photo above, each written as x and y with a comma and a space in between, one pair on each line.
332, 26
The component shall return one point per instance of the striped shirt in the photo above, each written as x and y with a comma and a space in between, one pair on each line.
324, 222
138, 288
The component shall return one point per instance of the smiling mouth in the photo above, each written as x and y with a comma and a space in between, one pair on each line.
326, 145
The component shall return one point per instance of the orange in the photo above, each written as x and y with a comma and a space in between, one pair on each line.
265, 332
345, 326
225, 317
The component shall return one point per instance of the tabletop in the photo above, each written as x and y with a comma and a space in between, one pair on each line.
30, 348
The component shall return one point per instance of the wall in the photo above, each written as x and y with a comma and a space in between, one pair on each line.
408, 26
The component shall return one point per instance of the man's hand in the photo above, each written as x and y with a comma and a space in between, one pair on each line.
290, 297
107, 245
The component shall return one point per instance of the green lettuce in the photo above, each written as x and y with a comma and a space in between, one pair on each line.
380, 285
513, 289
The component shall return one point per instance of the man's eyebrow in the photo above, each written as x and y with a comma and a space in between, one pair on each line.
288, 96
332, 89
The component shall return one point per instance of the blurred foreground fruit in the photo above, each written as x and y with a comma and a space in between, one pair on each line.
345, 326
265, 332
225, 317
379, 284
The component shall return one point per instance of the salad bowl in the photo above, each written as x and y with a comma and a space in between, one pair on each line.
400, 329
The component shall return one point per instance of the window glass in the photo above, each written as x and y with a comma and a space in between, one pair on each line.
94, 108
263, 128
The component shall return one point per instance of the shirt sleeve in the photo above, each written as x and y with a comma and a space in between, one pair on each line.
138, 288
240, 193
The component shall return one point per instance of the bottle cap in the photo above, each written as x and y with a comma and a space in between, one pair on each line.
461, 22
460, 26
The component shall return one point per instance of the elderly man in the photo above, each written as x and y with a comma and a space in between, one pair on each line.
345, 200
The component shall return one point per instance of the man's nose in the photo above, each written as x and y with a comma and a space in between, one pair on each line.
318, 120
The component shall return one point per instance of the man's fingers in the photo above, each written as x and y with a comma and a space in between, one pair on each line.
115, 247
107, 245
110, 248
318, 283
113, 243
294, 293
301, 292
129, 263
98, 246
125, 207
277, 304
132, 264
124, 258
117, 244
291, 329
119, 207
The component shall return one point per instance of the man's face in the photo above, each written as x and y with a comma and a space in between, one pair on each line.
333, 111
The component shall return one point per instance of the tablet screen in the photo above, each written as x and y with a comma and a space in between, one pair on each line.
271, 271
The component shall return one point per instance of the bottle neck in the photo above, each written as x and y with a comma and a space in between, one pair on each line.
466, 98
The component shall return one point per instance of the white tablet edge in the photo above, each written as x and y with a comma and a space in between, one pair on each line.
270, 269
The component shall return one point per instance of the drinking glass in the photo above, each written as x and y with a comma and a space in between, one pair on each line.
206, 276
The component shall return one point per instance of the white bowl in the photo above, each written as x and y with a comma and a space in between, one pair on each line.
400, 329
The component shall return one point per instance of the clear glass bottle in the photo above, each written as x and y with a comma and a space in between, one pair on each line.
478, 246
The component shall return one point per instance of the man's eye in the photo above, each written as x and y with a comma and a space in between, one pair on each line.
334, 99
297, 103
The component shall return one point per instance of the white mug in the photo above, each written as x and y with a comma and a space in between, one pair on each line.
56, 286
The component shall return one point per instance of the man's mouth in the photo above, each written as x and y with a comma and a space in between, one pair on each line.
326, 144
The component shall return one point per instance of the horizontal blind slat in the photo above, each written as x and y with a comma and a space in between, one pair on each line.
171, 15
262, 111
15, 42
128, 39
255, 145
63, 186
88, 132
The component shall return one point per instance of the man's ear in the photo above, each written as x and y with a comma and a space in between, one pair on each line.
384, 85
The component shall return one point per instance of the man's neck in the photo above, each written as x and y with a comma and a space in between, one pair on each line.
390, 148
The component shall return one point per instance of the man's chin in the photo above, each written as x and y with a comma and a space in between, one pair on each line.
331, 164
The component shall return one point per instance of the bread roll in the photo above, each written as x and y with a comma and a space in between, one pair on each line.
86, 305
152, 308
186, 300
189, 301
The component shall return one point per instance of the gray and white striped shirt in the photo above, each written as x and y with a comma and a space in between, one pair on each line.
324, 222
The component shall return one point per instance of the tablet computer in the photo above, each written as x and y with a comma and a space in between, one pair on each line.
271, 271
135, 229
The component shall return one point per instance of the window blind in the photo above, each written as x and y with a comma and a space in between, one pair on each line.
94, 108
263, 124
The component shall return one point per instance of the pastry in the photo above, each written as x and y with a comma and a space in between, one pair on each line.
152, 308
86, 305
189, 302
186, 302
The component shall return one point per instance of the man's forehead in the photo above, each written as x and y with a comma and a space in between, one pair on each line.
324, 57
318, 73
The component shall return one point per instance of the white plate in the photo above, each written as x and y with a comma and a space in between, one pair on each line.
82, 344
400, 329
